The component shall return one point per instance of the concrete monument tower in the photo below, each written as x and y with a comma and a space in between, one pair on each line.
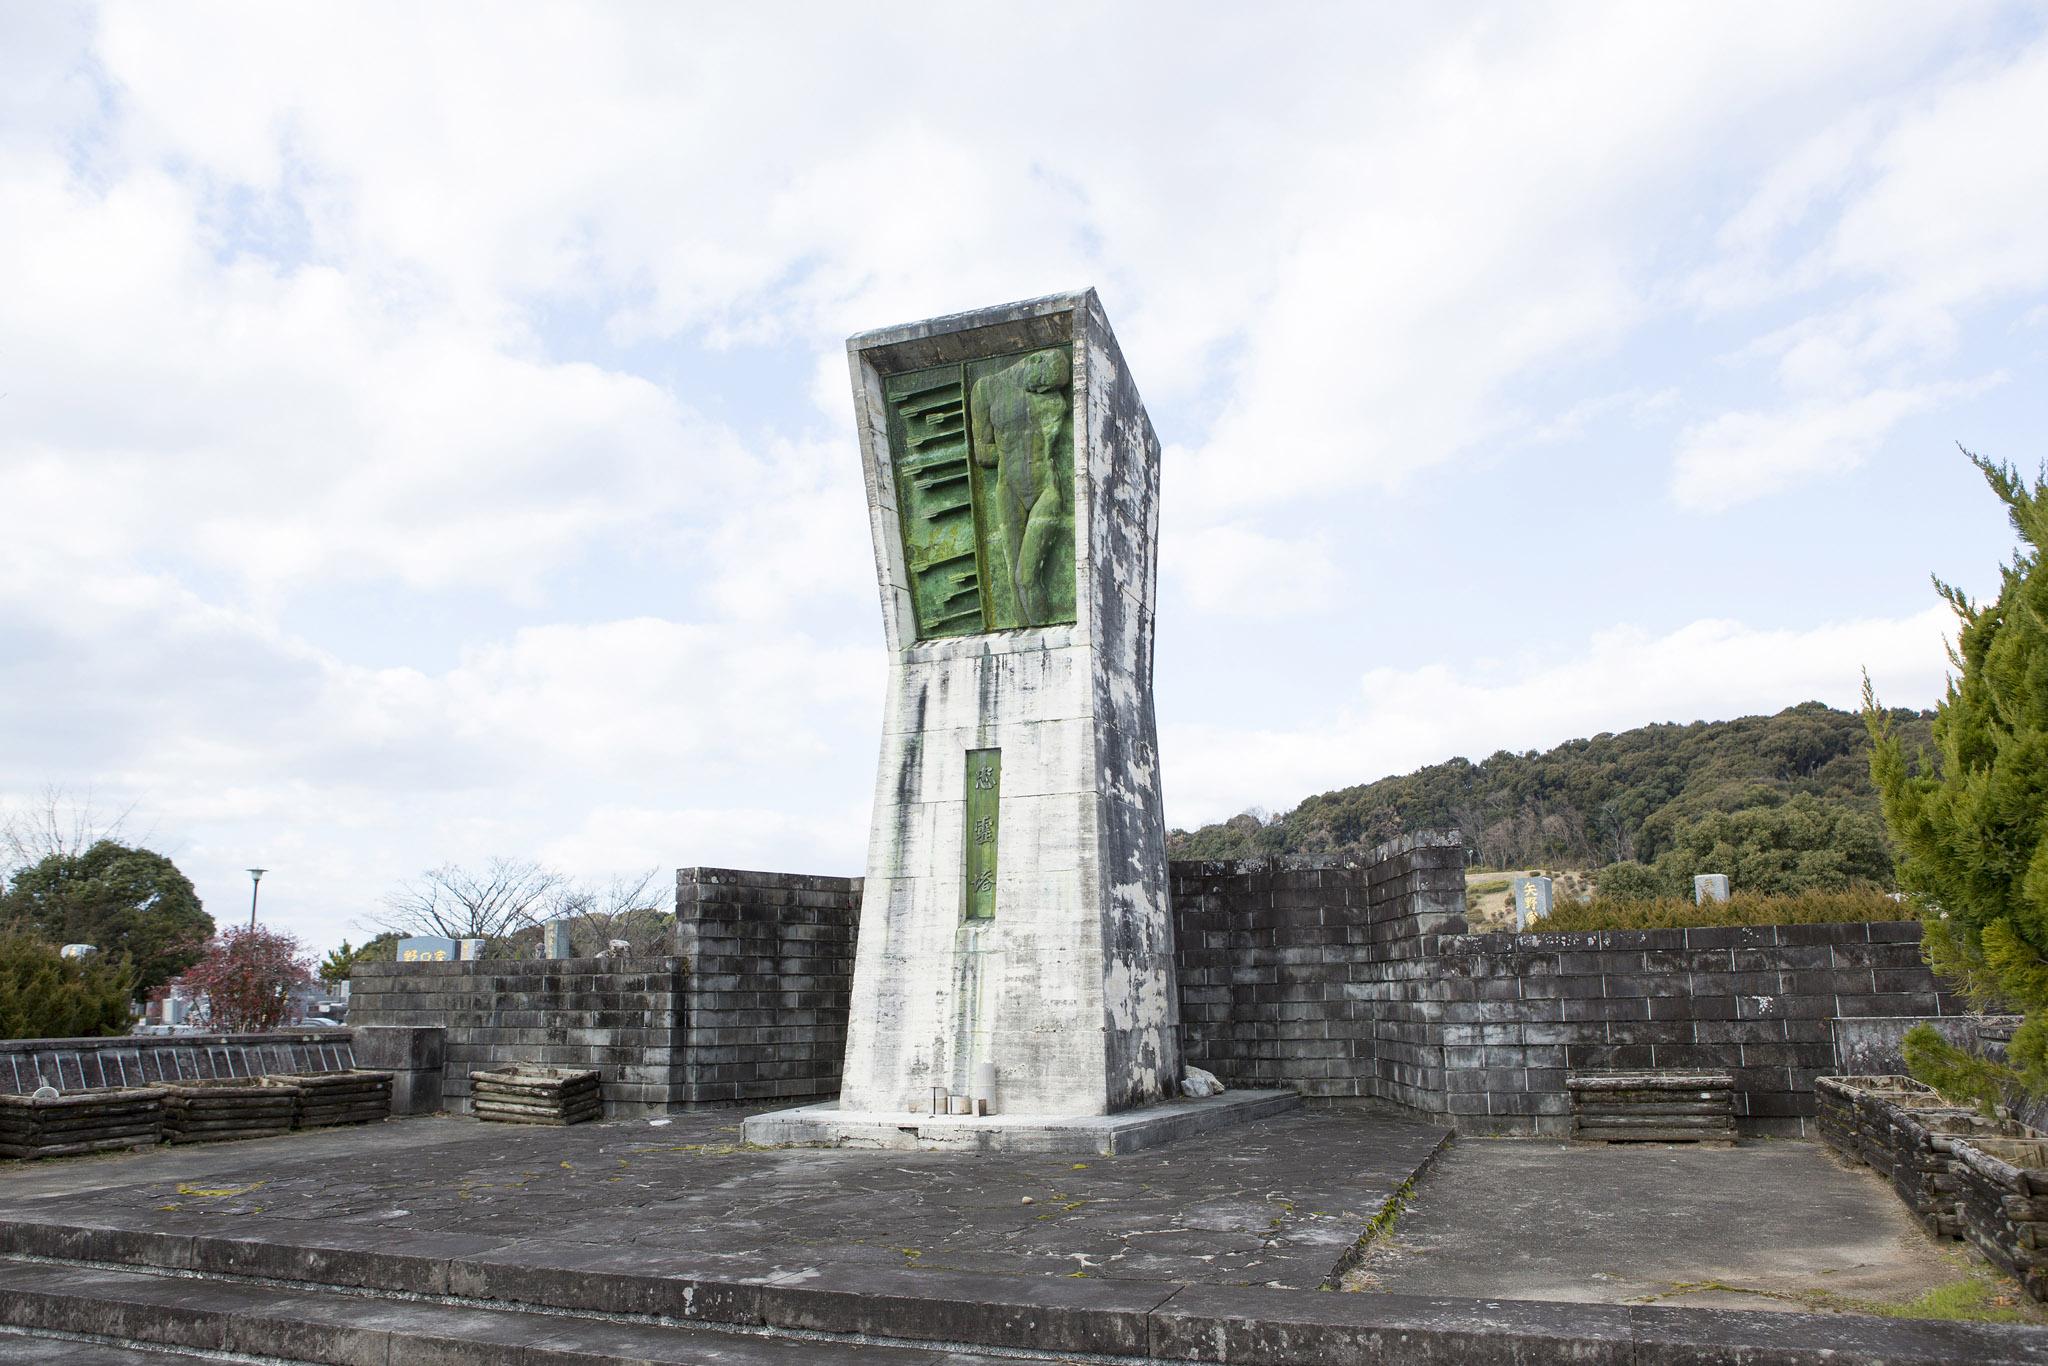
1015, 927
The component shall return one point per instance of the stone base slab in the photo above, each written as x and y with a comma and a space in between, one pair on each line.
1104, 1135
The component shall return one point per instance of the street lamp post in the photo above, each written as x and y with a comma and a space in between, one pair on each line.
255, 880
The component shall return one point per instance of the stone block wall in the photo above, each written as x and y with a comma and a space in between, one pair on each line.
770, 972
1318, 974
623, 1017
1758, 1001
1359, 981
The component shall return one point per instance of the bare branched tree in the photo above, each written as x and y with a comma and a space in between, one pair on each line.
55, 823
637, 911
497, 901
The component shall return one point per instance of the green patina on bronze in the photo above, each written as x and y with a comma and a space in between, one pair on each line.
984, 457
984, 821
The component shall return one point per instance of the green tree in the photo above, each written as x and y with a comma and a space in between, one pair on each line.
1799, 845
1629, 881
130, 903
1970, 817
339, 963
46, 996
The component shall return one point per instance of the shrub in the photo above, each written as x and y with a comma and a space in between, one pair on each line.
247, 977
1744, 908
44, 995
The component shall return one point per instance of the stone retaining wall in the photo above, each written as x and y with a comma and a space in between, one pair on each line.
1358, 981
770, 959
1756, 1001
621, 1016
1315, 974
1343, 980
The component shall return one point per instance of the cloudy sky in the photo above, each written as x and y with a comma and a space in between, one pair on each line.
424, 432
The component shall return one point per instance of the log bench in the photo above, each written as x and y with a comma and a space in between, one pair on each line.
1653, 1107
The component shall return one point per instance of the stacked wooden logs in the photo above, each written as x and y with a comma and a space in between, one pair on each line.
1878, 1101
227, 1108
2002, 1197
1653, 1107
330, 1098
530, 1094
1923, 1161
82, 1122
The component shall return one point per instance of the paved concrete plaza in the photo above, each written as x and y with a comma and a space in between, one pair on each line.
1277, 1203
1773, 1225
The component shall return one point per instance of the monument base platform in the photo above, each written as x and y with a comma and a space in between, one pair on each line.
1103, 1135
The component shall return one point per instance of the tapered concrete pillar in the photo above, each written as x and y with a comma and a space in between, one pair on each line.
1015, 912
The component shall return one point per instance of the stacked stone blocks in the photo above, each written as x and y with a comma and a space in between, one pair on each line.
1314, 973
770, 959
1751, 1000
622, 1017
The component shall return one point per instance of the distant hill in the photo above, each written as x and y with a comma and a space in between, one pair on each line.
1712, 792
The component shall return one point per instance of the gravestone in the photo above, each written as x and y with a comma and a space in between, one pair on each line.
1709, 887
1532, 900
426, 948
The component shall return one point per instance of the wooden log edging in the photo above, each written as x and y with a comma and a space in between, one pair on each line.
2002, 1197
532, 1094
83, 1122
332, 1098
1653, 1107
227, 1110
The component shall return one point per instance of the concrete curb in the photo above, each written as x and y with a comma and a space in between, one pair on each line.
1124, 1318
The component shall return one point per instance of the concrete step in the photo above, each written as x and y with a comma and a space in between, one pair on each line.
17, 1349
127, 1311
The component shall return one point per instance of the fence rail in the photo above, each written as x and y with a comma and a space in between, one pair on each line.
72, 1065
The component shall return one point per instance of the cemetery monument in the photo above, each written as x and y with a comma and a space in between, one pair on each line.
1016, 940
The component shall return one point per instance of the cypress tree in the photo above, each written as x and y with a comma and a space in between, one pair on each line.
1970, 818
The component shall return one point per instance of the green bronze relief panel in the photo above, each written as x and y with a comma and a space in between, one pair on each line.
984, 457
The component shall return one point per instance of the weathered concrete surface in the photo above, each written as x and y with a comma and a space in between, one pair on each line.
42, 1351
1773, 1225
1276, 1203
1127, 1131
301, 1325
1069, 991
302, 1251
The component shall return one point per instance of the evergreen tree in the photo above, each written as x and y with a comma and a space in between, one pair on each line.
131, 903
1970, 819
339, 963
45, 996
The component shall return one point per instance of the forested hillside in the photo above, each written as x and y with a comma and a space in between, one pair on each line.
1782, 802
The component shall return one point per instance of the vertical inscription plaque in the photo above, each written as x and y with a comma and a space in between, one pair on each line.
984, 808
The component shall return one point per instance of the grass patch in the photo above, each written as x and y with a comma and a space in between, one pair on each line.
1743, 908
1978, 1295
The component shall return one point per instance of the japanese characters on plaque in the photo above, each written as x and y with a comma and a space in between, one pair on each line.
984, 792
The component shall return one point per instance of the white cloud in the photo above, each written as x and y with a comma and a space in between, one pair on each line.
1236, 570
1402, 719
1929, 210
1740, 456
391, 455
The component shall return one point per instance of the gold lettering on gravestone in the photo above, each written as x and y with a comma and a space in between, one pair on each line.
984, 815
